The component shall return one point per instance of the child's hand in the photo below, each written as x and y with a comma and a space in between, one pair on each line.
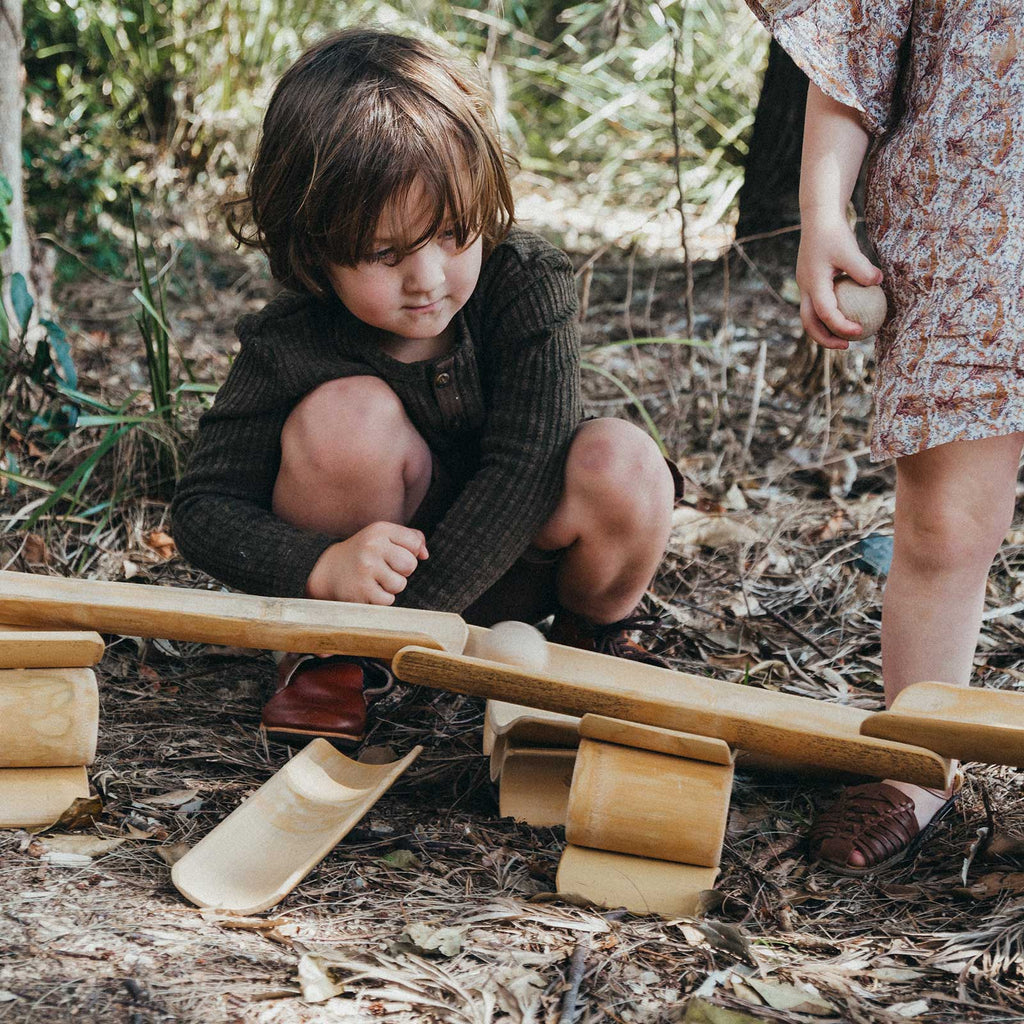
828, 248
371, 567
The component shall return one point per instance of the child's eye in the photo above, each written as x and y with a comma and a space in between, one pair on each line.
386, 256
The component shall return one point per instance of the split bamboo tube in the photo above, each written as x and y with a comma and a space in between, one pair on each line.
795, 729
30, 797
648, 804
266, 846
641, 886
48, 717
958, 721
242, 620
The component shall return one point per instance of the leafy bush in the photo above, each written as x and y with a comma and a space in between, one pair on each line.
120, 91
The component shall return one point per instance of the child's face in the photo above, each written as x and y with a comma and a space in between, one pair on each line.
416, 297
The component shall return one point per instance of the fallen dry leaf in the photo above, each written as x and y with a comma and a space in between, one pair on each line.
162, 543
1011, 882
84, 810
172, 852
175, 798
35, 551
315, 979
87, 846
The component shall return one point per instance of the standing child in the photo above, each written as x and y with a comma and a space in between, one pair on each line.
403, 425
939, 84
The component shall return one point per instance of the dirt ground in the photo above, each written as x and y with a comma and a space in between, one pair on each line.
777, 596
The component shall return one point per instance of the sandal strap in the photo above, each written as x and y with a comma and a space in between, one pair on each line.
876, 820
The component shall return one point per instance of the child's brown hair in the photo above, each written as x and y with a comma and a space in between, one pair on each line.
353, 124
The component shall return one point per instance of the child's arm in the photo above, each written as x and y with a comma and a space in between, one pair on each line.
222, 513
835, 142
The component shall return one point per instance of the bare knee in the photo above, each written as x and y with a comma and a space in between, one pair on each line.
617, 470
940, 541
347, 428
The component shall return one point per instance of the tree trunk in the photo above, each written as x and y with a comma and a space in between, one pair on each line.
17, 257
770, 197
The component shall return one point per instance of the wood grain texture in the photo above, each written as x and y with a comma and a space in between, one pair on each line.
27, 647
967, 723
641, 886
797, 729
534, 785
663, 741
241, 620
48, 717
33, 797
265, 847
648, 804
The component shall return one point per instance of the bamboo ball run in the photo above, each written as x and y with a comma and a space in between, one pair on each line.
865, 305
515, 643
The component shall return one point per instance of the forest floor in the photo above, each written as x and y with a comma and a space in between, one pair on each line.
764, 586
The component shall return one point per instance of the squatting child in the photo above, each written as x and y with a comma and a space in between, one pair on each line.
403, 424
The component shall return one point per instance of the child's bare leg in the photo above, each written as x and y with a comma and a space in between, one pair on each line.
613, 519
350, 457
954, 505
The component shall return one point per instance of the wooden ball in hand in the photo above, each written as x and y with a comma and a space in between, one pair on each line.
865, 305
515, 643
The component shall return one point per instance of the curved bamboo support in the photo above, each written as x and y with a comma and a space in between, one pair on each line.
32, 797
48, 717
648, 804
26, 647
535, 784
641, 886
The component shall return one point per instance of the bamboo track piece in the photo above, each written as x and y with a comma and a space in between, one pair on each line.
534, 785
514, 726
641, 886
22, 647
529, 726
48, 717
265, 847
796, 729
648, 804
241, 620
662, 741
966, 723
31, 797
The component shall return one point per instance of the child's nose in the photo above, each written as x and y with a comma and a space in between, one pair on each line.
426, 271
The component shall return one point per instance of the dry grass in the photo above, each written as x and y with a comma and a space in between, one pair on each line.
784, 606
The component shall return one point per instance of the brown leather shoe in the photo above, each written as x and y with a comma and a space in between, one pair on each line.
324, 697
612, 638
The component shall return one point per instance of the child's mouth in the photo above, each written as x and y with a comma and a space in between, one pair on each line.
427, 307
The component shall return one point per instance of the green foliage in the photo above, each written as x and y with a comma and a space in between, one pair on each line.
28, 380
117, 87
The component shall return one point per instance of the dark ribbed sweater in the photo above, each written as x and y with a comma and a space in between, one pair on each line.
507, 394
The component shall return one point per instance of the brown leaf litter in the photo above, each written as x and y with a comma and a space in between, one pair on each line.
434, 909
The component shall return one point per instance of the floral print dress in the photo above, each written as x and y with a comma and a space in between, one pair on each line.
940, 84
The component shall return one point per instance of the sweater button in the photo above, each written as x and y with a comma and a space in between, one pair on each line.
442, 380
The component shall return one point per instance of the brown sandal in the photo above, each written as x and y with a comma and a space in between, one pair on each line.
875, 820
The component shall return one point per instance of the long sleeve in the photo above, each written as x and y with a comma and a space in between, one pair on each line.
222, 517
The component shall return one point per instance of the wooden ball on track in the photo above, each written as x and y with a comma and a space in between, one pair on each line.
515, 643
